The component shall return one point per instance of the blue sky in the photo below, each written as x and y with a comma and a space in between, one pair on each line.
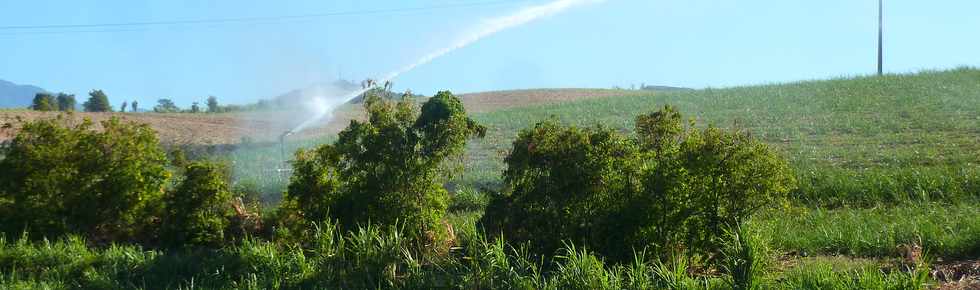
693, 43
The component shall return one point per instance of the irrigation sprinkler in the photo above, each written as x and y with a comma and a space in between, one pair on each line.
282, 155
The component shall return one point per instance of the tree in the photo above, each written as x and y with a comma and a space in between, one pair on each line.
43, 102
385, 171
135, 108
198, 211
195, 108
166, 106
66, 102
59, 178
213, 106
97, 102
123, 107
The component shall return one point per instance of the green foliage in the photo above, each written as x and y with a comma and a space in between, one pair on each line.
197, 212
59, 178
44, 102
66, 102
385, 171
566, 183
669, 187
97, 102
166, 106
135, 106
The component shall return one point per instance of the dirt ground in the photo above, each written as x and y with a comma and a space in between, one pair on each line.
959, 275
208, 129
233, 128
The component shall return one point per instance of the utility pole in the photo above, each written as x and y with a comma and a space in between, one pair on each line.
880, 35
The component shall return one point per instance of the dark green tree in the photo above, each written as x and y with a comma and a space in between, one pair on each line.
198, 211
166, 106
123, 107
97, 102
66, 102
213, 106
195, 108
44, 102
567, 184
59, 178
385, 171
135, 108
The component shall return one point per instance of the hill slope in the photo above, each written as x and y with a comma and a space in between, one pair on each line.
16, 96
892, 135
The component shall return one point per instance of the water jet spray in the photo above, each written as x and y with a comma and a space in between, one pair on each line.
489, 27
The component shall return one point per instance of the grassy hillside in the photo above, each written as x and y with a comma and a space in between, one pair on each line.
856, 140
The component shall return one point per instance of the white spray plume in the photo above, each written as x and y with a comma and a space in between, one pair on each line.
487, 28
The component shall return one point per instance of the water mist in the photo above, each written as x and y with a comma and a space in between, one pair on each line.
324, 106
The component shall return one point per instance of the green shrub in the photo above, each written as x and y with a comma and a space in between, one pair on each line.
671, 187
197, 212
60, 178
385, 171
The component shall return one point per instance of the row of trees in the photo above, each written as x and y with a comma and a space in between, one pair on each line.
99, 102
111, 185
168, 106
670, 187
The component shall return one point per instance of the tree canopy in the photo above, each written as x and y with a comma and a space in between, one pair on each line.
97, 102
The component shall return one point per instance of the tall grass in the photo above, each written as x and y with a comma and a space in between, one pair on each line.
368, 258
822, 275
948, 231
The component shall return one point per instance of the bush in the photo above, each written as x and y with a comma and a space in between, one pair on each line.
671, 187
59, 178
385, 171
198, 211
566, 183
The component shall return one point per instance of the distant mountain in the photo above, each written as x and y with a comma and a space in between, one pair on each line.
17, 96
